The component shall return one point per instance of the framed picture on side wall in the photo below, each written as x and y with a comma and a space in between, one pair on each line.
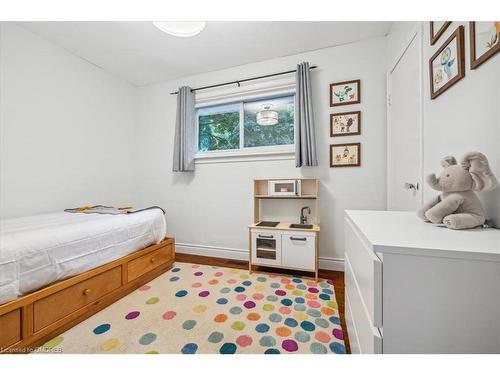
437, 28
345, 155
343, 93
484, 41
345, 123
447, 65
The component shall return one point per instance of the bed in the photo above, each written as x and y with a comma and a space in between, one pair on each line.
57, 269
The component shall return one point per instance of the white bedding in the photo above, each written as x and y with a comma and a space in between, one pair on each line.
38, 250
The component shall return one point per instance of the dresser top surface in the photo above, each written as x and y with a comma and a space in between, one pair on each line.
403, 231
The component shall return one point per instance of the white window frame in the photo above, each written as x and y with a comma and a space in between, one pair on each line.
280, 151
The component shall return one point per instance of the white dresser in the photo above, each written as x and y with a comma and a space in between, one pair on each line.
414, 287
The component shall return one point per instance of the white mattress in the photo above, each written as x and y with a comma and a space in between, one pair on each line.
38, 250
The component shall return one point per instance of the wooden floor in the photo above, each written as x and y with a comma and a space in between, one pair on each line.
335, 276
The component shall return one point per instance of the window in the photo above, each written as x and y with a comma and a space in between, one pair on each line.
247, 126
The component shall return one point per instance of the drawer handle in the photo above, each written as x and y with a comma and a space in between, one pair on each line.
86, 292
262, 236
298, 238
153, 260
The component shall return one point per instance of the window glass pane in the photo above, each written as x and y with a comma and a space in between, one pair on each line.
219, 127
278, 112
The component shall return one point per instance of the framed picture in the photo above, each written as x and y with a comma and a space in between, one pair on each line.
447, 65
345, 155
343, 93
437, 28
345, 123
484, 41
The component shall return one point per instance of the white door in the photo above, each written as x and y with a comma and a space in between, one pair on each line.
298, 251
404, 117
266, 248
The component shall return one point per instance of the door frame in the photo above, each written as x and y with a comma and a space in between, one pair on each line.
415, 34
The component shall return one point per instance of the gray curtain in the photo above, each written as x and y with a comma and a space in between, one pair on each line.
305, 138
184, 142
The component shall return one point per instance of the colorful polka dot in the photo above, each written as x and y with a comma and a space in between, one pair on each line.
213, 282
152, 300
257, 296
239, 289
225, 290
147, 338
268, 307
261, 279
299, 300
262, 328
313, 290
302, 336
232, 281
324, 296
299, 308
307, 326
110, 344
253, 316
215, 337
272, 351
247, 283
314, 313
174, 278
275, 285
228, 348
317, 348
313, 304
199, 273
169, 315
290, 345
196, 285
241, 297
220, 318
218, 274
238, 326
337, 333
267, 341
335, 320
204, 293
272, 298
275, 318
285, 310
144, 288
337, 348
249, 304
181, 293
290, 322
322, 336
286, 302
189, 324
102, 328
332, 304
200, 309
189, 348
222, 301
283, 331
280, 292
176, 269
322, 322
235, 310
132, 315
327, 311
244, 340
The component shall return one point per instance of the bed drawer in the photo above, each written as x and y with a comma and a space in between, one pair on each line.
57, 306
10, 328
149, 261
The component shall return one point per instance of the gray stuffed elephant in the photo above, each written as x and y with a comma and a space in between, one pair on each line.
458, 207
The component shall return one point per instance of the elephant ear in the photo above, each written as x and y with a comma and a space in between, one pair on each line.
479, 169
447, 161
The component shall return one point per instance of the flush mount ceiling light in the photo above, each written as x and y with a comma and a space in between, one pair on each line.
267, 116
181, 29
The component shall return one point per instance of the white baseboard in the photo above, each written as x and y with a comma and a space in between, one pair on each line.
325, 263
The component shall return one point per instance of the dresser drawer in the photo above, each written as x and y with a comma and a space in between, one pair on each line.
367, 271
149, 261
298, 251
363, 336
10, 328
57, 306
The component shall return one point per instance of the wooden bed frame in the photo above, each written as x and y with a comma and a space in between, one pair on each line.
31, 320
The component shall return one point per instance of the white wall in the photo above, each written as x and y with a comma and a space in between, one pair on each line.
464, 118
66, 129
208, 211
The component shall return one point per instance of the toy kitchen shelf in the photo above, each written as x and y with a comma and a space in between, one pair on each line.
283, 244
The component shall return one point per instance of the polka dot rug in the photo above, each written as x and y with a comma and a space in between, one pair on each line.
205, 309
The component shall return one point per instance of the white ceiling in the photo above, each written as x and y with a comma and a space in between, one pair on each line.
142, 54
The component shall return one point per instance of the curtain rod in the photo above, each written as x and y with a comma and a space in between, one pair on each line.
243, 80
